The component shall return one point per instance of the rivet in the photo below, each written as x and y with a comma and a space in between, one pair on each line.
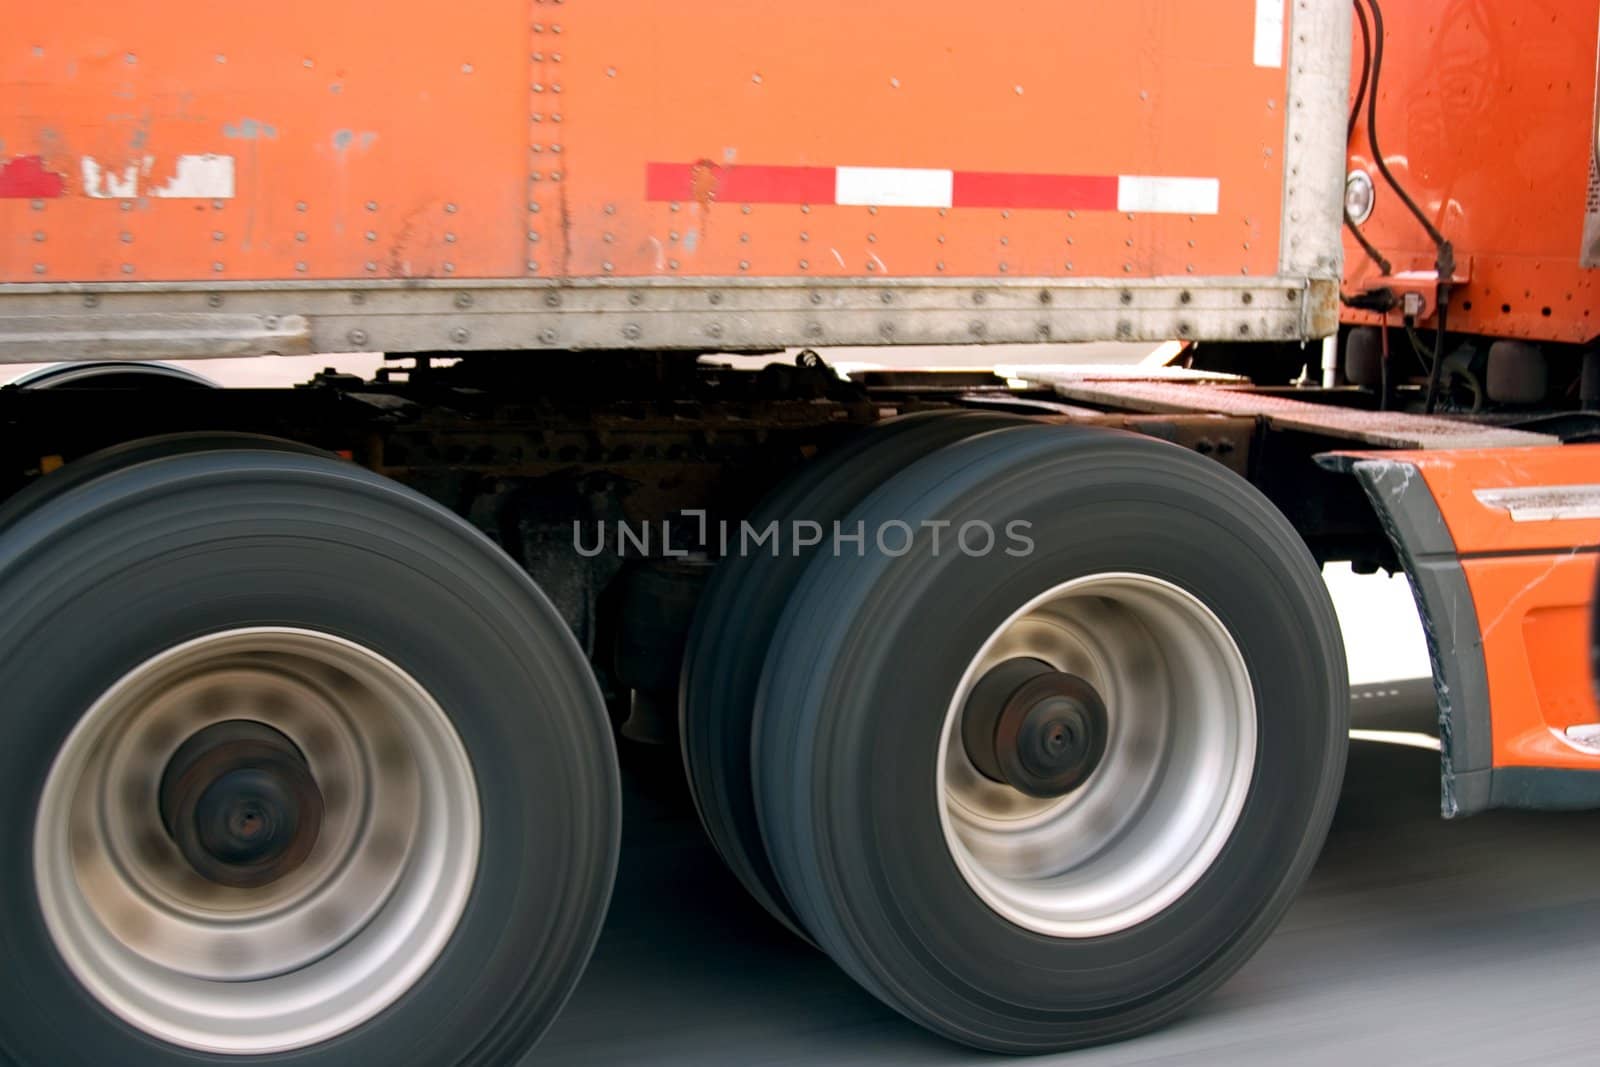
449, 209
814, 329
715, 329
979, 298
745, 209
217, 235
816, 298
38, 268
635, 299
756, 78
714, 297
1185, 297
744, 238
611, 72
218, 267
301, 267
632, 332
804, 236
300, 205
372, 235
533, 236
886, 329
300, 236
372, 205
1248, 298
744, 264
872, 238
887, 298
214, 300
357, 337
552, 300
371, 266
672, 264
463, 300
39, 236
975, 328
805, 264
460, 335
91, 300
125, 237
1127, 296
606, 267
533, 265
127, 268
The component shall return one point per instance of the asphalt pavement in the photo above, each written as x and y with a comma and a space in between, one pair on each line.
1416, 941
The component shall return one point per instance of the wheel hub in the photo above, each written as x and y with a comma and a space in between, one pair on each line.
240, 802
1041, 731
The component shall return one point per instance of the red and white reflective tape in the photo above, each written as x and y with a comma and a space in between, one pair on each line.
919, 187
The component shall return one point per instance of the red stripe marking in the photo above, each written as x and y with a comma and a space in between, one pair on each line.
1065, 192
25, 178
706, 181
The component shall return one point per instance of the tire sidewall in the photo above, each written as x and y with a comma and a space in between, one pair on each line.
1112, 504
97, 581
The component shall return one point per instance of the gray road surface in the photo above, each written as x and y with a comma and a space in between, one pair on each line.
1417, 941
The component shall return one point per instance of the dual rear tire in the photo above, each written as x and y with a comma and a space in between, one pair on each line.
299, 768
1044, 787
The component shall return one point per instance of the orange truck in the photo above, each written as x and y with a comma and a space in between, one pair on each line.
1017, 690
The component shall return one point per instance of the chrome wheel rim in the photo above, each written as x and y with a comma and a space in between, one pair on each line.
1161, 803
319, 950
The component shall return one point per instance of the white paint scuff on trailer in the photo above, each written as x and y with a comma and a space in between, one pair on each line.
206, 177
1269, 33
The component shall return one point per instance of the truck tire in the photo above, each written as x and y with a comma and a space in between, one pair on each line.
130, 453
1150, 676
739, 611
299, 768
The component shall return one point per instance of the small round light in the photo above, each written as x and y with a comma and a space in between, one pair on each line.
1359, 196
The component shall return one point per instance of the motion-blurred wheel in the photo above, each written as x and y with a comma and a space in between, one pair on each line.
740, 609
1048, 783
299, 768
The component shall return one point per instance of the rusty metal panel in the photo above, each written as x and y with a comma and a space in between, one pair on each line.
537, 142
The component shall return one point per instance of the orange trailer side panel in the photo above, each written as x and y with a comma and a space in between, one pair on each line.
507, 139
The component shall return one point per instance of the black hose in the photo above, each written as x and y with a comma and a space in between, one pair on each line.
1436, 371
1366, 69
1355, 114
1372, 131
1445, 263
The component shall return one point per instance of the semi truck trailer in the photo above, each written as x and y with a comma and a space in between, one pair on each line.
1015, 690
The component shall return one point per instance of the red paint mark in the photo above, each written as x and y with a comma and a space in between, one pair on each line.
1062, 192
25, 178
706, 181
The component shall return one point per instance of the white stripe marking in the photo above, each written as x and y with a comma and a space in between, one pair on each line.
199, 178
1269, 33
1170, 196
893, 187
103, 183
